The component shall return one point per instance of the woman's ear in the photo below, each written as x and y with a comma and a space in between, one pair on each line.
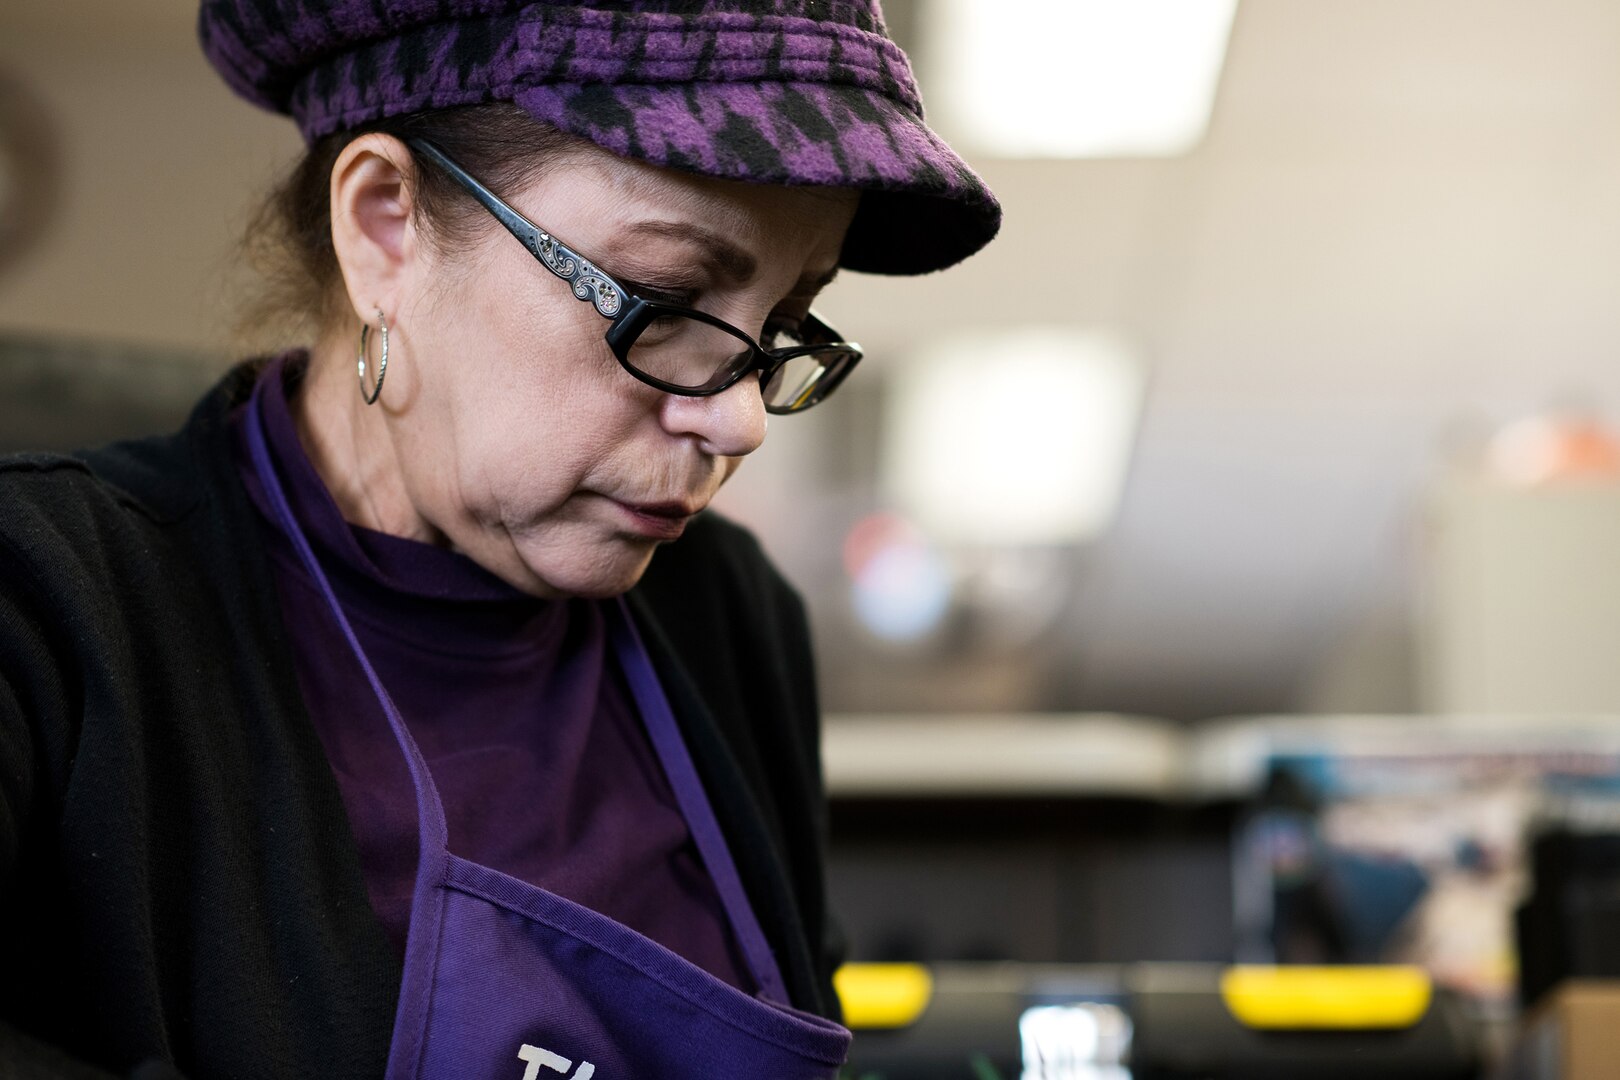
373, 235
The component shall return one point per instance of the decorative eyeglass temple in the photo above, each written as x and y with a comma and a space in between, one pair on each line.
589, 282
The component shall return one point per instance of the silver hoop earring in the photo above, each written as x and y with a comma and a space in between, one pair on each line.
375, 392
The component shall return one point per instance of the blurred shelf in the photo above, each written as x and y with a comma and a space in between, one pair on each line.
997, 755
1108, 755
1230, 757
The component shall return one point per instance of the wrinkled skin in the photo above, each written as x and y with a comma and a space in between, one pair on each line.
506, 429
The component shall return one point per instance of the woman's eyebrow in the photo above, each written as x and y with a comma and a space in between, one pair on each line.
731, 260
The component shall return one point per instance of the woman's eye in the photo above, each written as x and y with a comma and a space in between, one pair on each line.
676, 297
660, 329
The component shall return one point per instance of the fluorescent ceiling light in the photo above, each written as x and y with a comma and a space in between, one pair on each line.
1021, 438
1076, 78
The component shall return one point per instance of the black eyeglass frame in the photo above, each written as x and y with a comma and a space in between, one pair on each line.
631, 314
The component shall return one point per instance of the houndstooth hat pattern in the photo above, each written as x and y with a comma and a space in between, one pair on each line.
771, 91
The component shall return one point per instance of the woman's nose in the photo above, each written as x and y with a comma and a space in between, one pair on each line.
728, 424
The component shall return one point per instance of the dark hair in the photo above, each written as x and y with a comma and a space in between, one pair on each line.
289, 239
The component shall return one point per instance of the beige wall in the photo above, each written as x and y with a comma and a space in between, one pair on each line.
161, 164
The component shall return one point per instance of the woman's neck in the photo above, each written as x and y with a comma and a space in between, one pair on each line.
351, 446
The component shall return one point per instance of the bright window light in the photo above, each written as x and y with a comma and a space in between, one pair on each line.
1021, 438
1076, 78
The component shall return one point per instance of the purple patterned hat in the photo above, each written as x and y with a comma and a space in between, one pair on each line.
769, 91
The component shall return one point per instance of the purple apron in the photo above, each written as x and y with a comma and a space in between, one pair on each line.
506, 981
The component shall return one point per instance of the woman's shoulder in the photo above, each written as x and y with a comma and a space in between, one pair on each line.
131, 474
74, 508
70, 519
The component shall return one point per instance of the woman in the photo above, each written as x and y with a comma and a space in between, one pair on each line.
425, 725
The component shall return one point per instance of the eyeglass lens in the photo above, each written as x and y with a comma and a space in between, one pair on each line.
696, 355
688, 353
800, 381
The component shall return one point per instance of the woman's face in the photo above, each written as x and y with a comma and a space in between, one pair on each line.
517, 435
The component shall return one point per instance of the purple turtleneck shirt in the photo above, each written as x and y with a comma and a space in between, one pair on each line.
534, 742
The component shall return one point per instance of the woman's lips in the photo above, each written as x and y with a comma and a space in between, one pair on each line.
657, 521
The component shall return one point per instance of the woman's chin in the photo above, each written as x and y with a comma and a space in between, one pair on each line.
598, 578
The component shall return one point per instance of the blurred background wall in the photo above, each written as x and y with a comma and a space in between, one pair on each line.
1399, 232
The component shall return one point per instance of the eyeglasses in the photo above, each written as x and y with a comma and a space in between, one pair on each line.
680, 350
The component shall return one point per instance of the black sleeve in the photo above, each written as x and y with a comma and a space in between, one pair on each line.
19, 652
829, 944
38, 738
29, 699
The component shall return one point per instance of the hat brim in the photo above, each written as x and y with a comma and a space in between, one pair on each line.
922, 208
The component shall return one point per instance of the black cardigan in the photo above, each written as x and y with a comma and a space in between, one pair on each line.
178, 882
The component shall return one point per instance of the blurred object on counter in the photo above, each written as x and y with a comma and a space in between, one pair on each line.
1321, 1022
1154, 1022
1522, 604
1075, 838
1327, 904
1403, 839
1569, 925
1573, 1035
1568, 446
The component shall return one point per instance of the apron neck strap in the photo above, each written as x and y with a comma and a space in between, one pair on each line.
683, 777
433, 834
